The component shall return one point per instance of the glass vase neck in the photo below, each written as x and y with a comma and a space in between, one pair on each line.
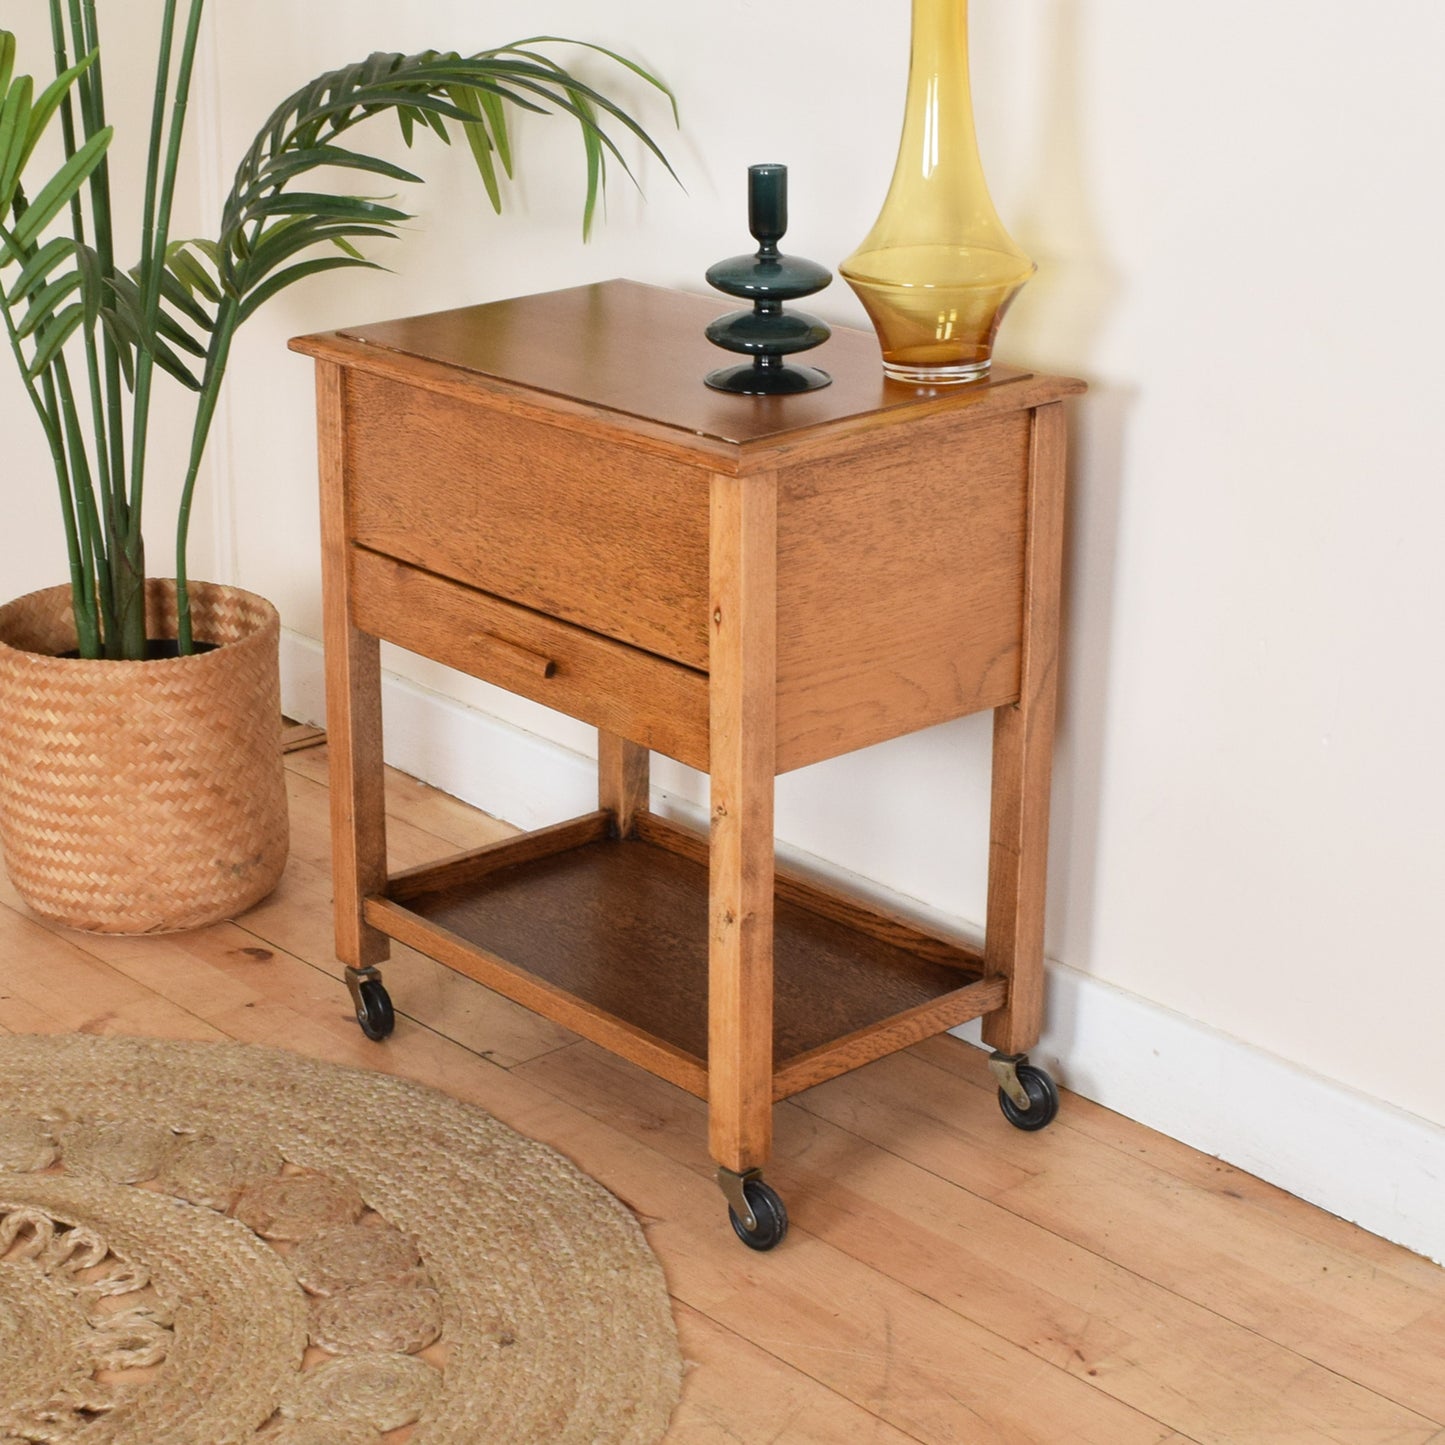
938, 128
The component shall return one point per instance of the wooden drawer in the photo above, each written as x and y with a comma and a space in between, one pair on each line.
621, 689
608, 537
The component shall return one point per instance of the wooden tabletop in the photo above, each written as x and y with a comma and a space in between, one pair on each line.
640, 351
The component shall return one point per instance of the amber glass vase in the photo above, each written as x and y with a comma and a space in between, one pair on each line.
937, 271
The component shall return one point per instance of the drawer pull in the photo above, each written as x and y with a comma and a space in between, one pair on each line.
524, 657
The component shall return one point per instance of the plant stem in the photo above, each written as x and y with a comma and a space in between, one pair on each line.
95, 548
152, 274
159, 195
150, 284
47, 408
82, 579
81, 549
88, 34
80, 505
219, 355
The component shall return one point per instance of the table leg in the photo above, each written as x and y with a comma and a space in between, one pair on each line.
742, 666
1023, 743
623, 769
353, 705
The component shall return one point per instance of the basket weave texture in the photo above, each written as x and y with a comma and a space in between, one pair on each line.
142, 797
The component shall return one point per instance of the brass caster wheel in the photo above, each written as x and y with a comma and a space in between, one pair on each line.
755, 1209
1026, 1094
373, 1004
770, 1218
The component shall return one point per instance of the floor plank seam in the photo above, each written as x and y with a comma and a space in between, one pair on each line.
1000, 1202
75, 941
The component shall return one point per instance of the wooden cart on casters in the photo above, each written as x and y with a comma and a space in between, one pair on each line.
542, 493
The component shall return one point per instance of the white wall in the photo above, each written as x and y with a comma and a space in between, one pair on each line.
1235, 213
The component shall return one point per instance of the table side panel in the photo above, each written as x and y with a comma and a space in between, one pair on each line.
596, 533
622, 689
900, 583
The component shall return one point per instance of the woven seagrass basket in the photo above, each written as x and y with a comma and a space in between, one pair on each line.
142, 797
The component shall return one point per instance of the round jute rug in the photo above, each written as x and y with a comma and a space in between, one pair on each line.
214, 1244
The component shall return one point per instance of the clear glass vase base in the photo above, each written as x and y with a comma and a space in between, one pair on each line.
936, 375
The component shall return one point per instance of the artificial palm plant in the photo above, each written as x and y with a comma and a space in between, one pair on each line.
89, 331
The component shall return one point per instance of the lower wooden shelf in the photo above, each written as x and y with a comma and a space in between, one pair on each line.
609, 938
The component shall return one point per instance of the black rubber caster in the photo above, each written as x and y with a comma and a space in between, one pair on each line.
374, 1013
1043, 1100
768, 1210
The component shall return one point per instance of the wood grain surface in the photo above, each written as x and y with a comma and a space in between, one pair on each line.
353, 696
636, 694
742, 690
900, 584
1023, 755
638, 353
473, 865
793, 886
625, 926
568, 525
624, 772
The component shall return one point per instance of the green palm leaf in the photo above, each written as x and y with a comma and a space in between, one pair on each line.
479, 140
175, 292
39, 266
127, 315
42, 308
14, 127
295, 162
312, 203
611, 55
172, 330
57, 332
281, 243
50, 101
57, 192
92, 282
185, 267
267, 289
496, 114
123, 340
431, 87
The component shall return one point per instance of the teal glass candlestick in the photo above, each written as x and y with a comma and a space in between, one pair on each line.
767, 333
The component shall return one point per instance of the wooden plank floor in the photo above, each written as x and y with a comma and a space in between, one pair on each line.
947, 1279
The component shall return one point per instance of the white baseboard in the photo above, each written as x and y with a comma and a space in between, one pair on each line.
1355, 1156
1358, 1157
